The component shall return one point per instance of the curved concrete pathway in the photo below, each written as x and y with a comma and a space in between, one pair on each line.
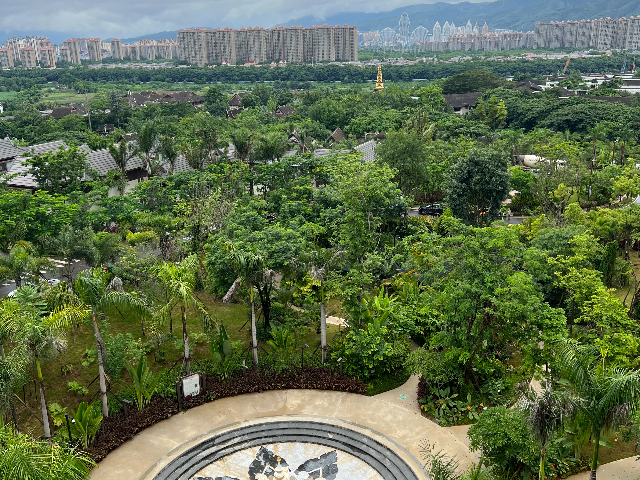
402, 428
625, 469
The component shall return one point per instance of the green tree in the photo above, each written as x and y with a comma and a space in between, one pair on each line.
101, 297
215, 102
122, 153
146, 143
59, 172
22, 262
476, 186
22, 458
178, 280
605, 395
407, 154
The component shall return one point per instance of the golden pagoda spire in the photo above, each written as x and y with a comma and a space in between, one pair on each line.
379, 84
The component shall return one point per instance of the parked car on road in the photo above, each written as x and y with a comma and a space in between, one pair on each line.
433, 209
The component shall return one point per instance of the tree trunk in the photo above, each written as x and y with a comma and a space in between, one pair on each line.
185, 341
101, 374
594, 462
13, 408
254, 334
543, 451
43, 403
323, 331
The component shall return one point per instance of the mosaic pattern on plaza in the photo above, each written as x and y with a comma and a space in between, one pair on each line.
288, 461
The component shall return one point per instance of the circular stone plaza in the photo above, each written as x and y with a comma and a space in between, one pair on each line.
288, 434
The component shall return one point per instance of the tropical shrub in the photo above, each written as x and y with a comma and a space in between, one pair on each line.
144, 382
84, 426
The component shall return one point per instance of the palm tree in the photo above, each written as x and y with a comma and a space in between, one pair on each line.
547, 413
146, 143
9, 309
42, 337
605, 395
179, 280
169, 152
243, 141
121, 154
318, 266
100, 297
22, 262
247, 265
23, 458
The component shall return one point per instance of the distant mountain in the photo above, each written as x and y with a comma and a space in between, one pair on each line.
152, 36
511, 14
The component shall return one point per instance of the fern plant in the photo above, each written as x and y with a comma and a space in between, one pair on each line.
145, 383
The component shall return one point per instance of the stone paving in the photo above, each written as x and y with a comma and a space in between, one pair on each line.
380, 418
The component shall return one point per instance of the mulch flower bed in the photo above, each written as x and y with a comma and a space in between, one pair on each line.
118, 429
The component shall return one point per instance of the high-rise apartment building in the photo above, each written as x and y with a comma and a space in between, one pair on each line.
65, 54
74, 50
116, 49
6, 57
259, 45
94, 49
48, 57
602, 34
28, 57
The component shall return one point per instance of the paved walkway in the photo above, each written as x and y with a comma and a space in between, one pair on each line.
380, 416
625, 469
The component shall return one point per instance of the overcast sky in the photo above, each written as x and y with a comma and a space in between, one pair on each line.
131, 18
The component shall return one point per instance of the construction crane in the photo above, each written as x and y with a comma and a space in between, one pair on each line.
624, 65
566, 65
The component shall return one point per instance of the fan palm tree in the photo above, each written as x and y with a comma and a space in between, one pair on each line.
101, 297
547, 413
179, 281
605, 395
22, 458
122, 153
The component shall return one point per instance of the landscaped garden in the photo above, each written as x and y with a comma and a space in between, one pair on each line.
263, 254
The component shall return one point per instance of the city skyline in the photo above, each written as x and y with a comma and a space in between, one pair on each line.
133, 19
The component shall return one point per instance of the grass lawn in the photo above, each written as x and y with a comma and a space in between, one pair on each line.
234, 317
67, 96
7, 96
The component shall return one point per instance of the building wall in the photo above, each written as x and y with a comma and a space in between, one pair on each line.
603, 34
6, 58
94, 49
28, 57
257, 45
48, 57
116, 49
74, 50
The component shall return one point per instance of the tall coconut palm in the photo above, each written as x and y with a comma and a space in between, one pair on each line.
247, 266
179, 281
101, 297
23, 458
547, 413
605, 395
122, 153
9, 309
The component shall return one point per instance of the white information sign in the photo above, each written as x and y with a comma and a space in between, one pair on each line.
191, 385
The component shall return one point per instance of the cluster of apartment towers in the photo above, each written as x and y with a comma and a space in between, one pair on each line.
602, 34
324, 43
38, 51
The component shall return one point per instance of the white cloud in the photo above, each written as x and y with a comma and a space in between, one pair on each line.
127, 18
